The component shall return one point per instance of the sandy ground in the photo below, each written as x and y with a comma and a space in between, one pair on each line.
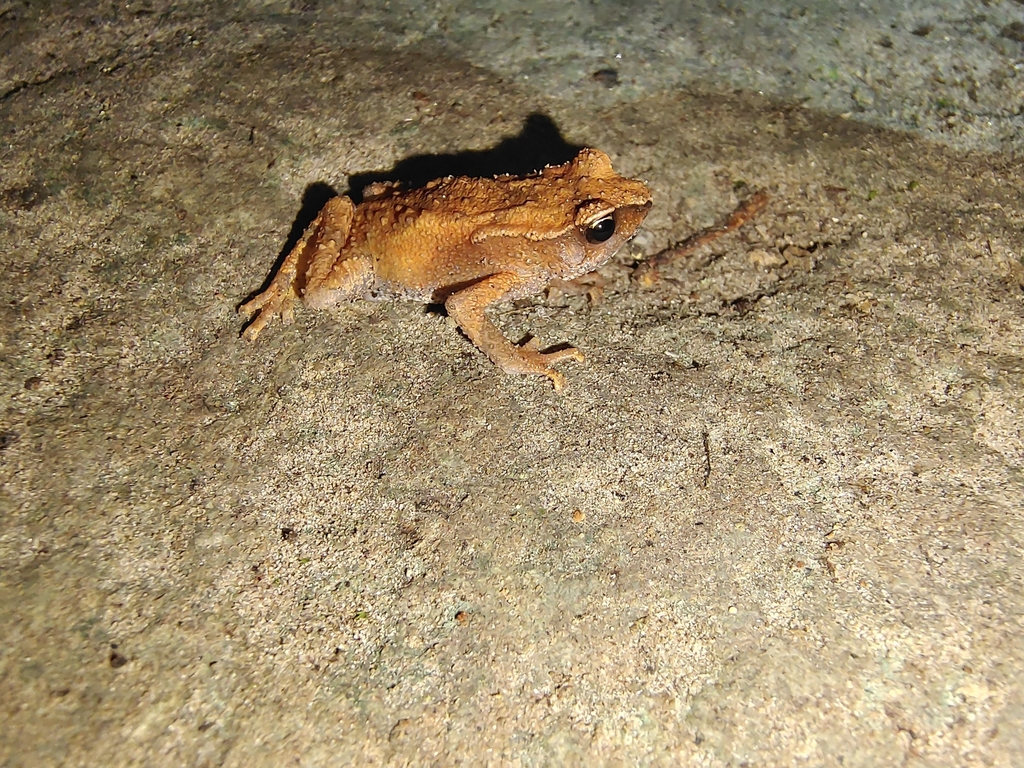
775, 519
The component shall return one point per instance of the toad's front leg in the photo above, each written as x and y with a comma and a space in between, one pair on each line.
467, 309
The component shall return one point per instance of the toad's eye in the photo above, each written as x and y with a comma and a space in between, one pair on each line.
601, 230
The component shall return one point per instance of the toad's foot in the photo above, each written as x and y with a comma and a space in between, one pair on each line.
276, 301
534, 361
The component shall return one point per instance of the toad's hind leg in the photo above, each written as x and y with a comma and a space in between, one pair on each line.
329, 282
314, 258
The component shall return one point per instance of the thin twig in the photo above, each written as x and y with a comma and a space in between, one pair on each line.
707, 459
647, 272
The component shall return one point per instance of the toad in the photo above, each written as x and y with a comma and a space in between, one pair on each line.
464, 242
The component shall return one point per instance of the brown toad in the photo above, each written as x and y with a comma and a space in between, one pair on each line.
466, 242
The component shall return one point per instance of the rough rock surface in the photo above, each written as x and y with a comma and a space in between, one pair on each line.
775, 519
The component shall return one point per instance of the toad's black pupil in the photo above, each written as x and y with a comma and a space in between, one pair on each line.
601, 230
